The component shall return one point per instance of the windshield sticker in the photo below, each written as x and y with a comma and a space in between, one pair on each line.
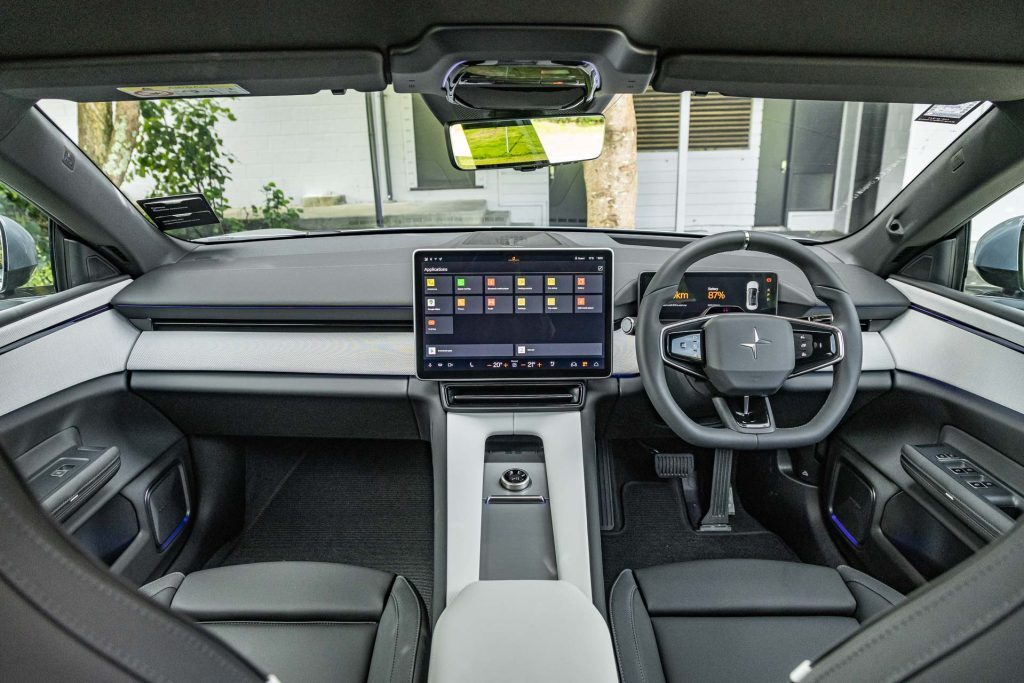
179, 211
164, 91
947, 113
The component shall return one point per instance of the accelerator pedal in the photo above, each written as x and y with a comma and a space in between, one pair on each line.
722, 505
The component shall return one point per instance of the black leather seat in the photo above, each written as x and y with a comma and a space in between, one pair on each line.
308, 621
731, 620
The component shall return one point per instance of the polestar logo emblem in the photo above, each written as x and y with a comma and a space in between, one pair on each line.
753, 345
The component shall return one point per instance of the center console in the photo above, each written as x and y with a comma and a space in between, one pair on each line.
512, 335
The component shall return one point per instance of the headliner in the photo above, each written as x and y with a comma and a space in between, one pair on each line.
969, 50
934, 29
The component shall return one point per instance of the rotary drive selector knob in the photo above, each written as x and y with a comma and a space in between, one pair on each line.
515, 479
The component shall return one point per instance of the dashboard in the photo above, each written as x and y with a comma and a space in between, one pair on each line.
513, 313
345, 305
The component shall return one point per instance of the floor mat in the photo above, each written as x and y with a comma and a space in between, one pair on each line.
656, 532
368, 504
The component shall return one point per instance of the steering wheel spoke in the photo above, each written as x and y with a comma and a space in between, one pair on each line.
682, 346
816, 346
745, 414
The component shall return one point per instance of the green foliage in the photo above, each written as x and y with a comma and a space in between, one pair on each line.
24, 213
180, 151
276, 211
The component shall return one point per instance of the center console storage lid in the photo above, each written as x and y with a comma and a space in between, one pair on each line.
521, 631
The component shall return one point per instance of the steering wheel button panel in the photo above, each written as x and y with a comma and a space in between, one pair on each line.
685, 346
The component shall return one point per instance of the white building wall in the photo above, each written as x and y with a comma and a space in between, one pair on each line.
311, 145
656, 190
721, 185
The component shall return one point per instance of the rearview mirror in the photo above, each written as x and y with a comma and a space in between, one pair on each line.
18, 257
999, 256
525, 143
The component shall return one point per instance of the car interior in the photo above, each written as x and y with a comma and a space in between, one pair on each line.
640, 342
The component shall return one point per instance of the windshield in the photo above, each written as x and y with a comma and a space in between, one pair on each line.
273, 166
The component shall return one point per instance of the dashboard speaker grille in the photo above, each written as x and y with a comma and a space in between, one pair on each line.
518, 395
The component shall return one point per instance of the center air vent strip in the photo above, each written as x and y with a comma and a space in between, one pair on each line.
491, 396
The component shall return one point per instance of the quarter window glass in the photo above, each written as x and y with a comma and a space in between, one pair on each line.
24, 249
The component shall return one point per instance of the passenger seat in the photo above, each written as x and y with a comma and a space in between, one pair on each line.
308, 621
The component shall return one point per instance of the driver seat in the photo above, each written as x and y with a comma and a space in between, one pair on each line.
735, 620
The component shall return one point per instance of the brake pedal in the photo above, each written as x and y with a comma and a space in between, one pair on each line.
680, 466
722, 506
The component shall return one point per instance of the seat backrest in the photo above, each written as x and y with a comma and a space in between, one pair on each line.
67, 617
966, 625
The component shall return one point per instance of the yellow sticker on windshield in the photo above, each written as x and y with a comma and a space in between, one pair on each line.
163, 91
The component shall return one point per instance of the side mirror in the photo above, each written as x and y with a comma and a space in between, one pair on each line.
18, 257
999, 255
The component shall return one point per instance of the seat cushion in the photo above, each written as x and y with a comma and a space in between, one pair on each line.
309, 621
732, 620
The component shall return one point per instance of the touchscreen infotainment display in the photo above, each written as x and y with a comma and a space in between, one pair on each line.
513, 314
701, 293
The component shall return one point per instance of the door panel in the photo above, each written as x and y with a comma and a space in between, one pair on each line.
75, 432
956, 386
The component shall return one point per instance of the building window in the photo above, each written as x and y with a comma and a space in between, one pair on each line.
657, 121
719, 122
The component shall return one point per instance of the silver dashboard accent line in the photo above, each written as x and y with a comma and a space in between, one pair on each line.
50, 317
957, 311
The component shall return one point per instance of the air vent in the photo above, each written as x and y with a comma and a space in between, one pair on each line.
282, 326
826, 318
513, 396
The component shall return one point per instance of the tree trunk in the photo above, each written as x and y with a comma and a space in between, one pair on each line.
108, 133
611, 178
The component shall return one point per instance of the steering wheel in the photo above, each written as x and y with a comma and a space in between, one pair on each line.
746, 357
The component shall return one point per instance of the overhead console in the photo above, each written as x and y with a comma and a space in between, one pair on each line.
513, 313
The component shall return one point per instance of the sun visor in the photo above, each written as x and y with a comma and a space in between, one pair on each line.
842, 79
208, 74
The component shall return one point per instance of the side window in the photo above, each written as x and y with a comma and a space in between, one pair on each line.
26, 261
996, 252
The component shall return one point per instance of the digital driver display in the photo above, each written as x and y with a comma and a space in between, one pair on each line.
702, 293
513, 313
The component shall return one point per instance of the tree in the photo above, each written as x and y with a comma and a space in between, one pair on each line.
180, 150
611, 179
108, 133
276, 212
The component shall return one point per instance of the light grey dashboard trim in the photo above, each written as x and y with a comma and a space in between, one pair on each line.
968, 315
511, 631
61, 313
339, 353
96, 346
345, 353
927, 346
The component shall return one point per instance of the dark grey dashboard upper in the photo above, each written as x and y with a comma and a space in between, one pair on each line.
368, 277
